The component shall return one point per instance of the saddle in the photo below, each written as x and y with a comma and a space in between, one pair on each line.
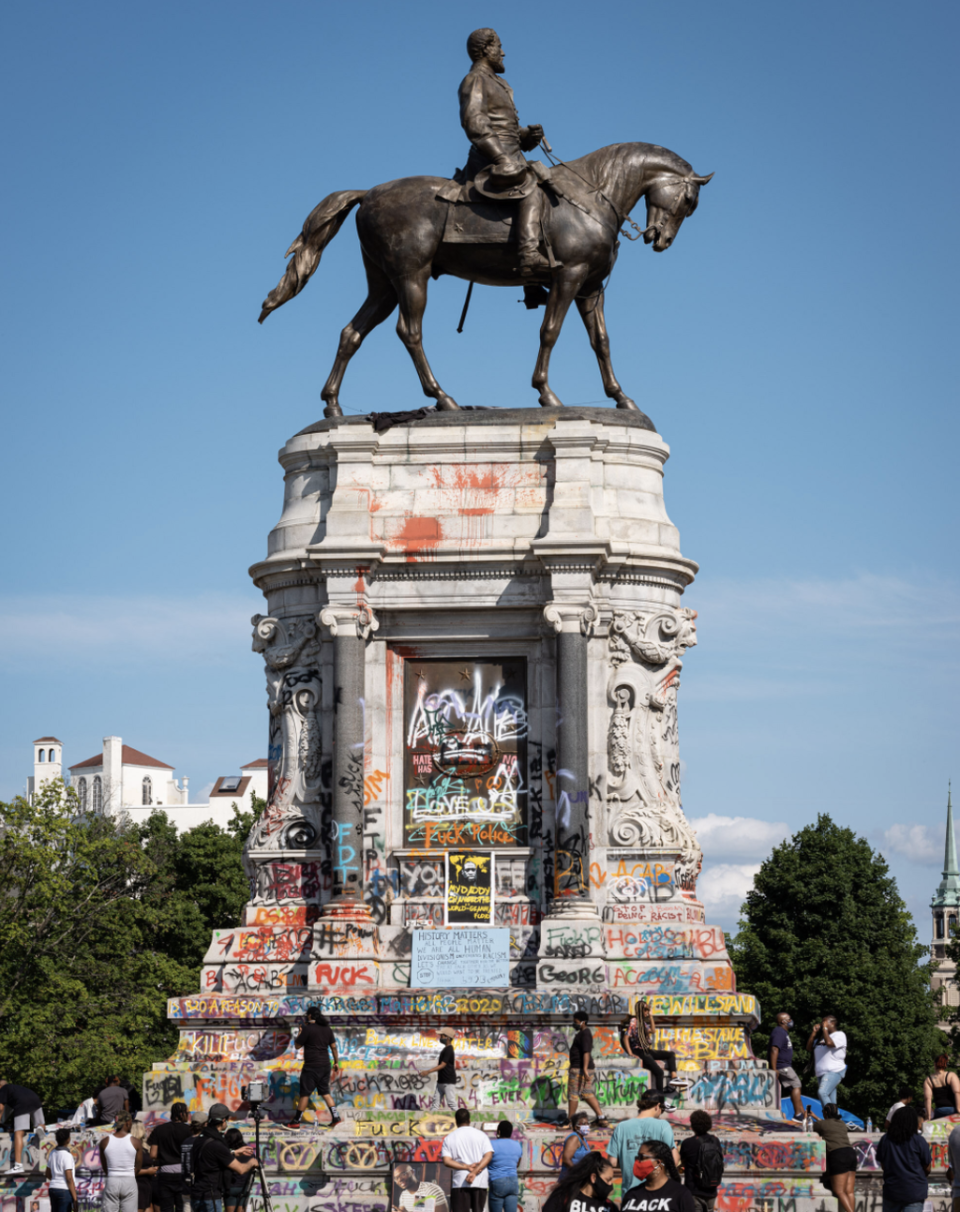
473, 218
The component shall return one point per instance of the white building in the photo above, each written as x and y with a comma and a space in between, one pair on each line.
124, 779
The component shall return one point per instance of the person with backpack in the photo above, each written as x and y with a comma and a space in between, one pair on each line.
701, 1156
165, 1144
904, 1157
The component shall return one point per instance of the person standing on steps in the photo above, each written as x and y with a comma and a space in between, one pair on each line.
701, 1156
317, 1041
829, 1048
502, 1171
467, 1152
581, 1077
24, 1108
111, 1100
212, 1158
841, 1156
446, 1070
63, 1190
781, 1062
630, 1134
166, 1150
904, 1157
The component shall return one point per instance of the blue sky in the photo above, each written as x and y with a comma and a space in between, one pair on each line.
792, 347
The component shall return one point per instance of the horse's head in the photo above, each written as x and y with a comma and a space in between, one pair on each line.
670, 199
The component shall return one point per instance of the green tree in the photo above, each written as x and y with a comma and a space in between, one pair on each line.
103, 921
824, 930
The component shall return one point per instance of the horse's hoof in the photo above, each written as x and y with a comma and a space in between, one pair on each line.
549, 400
626, 402
333, 409
446, 404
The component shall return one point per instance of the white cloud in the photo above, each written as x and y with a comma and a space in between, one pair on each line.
919, 843
737, 837
722, 888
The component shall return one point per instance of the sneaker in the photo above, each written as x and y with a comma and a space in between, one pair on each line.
601, 1123
16, 1168
336, 1120
294, 1124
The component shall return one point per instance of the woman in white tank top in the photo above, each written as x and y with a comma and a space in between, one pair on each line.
120, 1157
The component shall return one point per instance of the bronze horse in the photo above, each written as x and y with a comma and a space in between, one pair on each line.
401, 226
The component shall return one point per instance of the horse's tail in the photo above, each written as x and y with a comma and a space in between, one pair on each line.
321, 225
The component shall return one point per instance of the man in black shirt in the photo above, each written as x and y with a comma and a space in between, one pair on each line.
166, 1142
581, 1076
701, 1156
26, 1111
445, 1094
317, 1041
212, 1159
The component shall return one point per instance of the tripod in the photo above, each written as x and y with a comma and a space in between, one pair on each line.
257, 1170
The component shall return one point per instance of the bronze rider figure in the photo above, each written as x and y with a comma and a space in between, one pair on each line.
496, 164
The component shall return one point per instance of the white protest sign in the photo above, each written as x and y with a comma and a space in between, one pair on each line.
460, 959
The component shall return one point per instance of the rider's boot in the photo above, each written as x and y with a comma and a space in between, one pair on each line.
532, 260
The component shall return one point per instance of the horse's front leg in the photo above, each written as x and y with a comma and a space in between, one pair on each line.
412, 294
591, 312
566, 283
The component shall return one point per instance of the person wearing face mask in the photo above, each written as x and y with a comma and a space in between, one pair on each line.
781, 1062
660, 1188
586, 1188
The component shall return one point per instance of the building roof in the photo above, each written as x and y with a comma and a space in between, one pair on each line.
56, 740
948, 892
259, 764
234, 789
128, 757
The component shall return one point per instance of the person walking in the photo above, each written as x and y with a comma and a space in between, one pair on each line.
841, 1156
829, 1048
445, 1094
166, 1152
941, 1090
657, 1184
60, 1165
586, 1188
581, 1076
120, 1156
781, 1062
575, 1146
467, 1152
317, 1040
24, 1108
904, 1157
630, 1134
701, 1156
638, 1041
504, 1182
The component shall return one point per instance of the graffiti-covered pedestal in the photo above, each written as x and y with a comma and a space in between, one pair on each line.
473, 641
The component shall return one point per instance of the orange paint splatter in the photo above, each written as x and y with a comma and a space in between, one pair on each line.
417, 535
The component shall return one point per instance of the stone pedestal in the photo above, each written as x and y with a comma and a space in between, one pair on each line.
473, 641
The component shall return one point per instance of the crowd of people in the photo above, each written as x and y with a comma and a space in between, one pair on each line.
193, 1163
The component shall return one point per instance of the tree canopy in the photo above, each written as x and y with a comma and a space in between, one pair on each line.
824, 930
101, 922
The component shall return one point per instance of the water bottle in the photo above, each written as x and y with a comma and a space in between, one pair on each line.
869, 1124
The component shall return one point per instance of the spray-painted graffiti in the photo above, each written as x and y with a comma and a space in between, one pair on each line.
275, 881
676, 913
741, 1005
671, 978
741, 1087
465, 727
666, 942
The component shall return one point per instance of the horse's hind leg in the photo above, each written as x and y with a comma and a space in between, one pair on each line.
591, 312
380, 301
412, 293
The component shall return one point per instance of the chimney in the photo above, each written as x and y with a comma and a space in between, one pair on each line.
112, 774
185, 799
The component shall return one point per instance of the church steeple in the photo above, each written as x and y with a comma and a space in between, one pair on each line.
948, 892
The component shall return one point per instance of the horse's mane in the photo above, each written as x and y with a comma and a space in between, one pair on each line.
609, 164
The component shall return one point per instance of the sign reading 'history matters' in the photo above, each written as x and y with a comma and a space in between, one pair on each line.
465, 758
469, 889
460, 959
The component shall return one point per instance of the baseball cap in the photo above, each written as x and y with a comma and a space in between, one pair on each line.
198, 1117
219, 1111
445, 1033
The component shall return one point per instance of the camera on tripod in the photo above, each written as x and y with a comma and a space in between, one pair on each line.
255, 1093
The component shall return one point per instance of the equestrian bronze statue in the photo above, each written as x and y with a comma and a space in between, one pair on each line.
501, 221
